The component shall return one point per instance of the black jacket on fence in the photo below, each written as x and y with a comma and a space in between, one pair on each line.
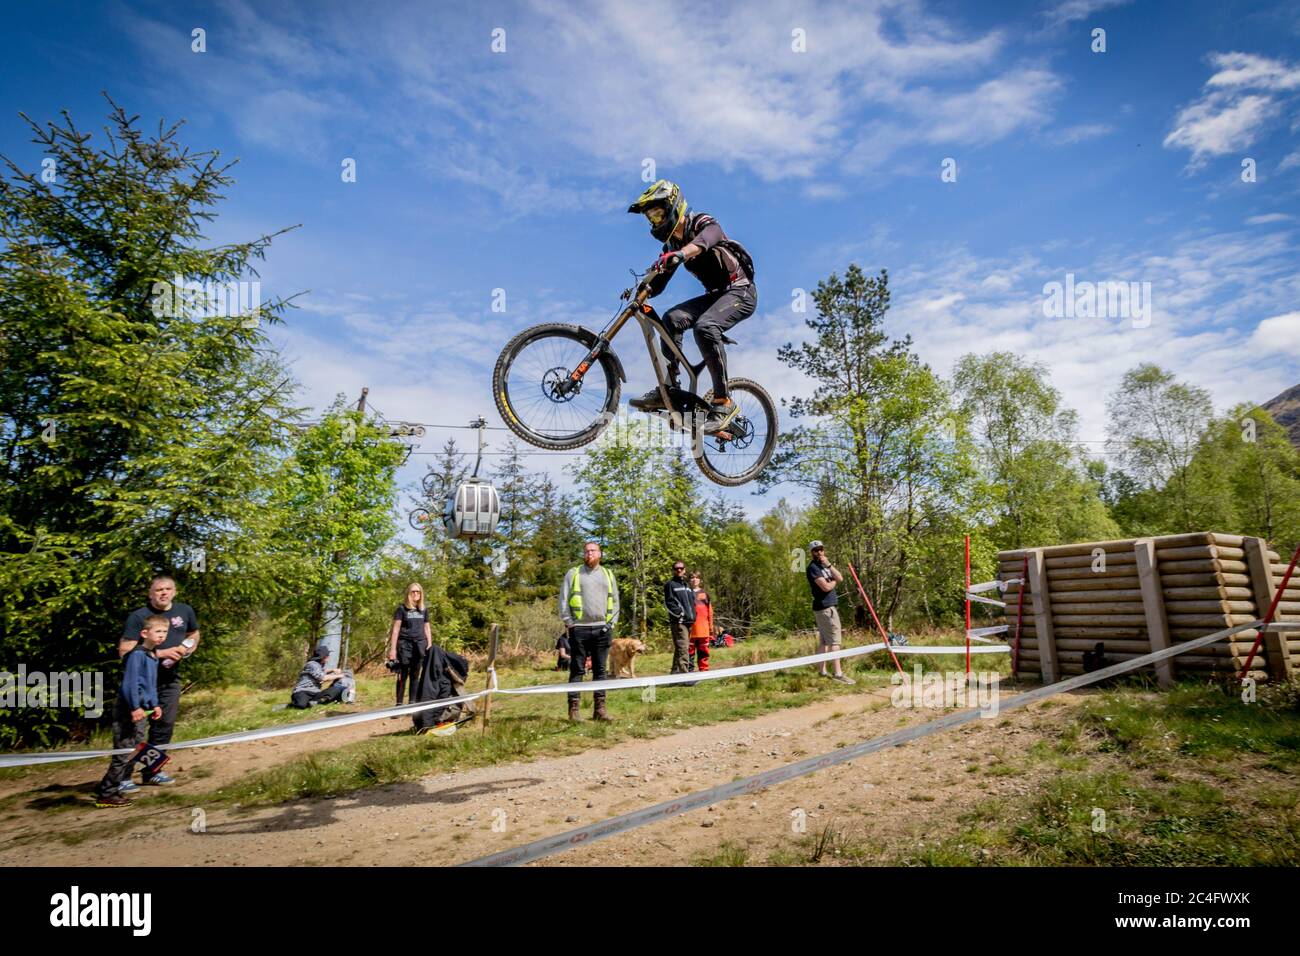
443, 676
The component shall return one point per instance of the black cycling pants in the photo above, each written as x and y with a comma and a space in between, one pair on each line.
711, 315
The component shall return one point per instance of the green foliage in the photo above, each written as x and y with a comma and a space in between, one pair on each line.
642, 502
1033, 485
1180, 468
333, 500
1156, 423
886, 456
135, 438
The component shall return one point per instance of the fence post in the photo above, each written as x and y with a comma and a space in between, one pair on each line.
1153, 606
1263, 585
1043, 617
491, 672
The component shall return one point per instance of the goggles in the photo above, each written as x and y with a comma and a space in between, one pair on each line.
657, 215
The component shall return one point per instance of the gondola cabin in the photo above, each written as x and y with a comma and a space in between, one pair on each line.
472, 510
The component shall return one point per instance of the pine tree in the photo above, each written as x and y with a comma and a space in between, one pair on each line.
141, 422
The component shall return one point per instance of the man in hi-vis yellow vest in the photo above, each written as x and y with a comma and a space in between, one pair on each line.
589, 609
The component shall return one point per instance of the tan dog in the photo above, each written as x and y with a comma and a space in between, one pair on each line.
622, 656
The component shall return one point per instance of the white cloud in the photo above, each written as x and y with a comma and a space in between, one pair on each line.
1208, 292
1289, 161
1068, 11
1280, 334
1248, 70
1268, 218
1229, 117
1219, 124
589, 87
1017, 99
1069, 135
987, 113
824, 191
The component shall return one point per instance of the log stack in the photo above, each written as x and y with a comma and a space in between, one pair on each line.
1142, 594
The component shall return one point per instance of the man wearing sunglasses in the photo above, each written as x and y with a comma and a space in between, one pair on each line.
823, 578
725, 269
679, 599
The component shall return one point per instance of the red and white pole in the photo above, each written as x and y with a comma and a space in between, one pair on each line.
884, 636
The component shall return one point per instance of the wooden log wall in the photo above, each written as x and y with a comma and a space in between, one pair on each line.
1139, 595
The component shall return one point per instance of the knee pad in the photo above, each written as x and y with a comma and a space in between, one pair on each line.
678, 321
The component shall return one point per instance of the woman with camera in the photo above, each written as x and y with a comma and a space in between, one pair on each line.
409, 640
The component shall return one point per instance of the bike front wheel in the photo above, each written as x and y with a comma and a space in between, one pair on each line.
535, 393
738, 455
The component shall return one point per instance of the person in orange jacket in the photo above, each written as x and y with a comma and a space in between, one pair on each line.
702, 628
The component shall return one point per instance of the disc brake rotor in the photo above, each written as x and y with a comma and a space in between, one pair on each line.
554, 381
742, 435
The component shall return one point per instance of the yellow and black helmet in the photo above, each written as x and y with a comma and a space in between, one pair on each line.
663, 205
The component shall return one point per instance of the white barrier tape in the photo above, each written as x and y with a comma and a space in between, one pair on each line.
695, 677
980, 633
955, 649
325, 723
345, 720
987, 586
761, 781
983, 600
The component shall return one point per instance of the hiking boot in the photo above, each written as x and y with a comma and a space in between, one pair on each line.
573, 709
720, 416
843, 680
598, 712
111, 799
651, 401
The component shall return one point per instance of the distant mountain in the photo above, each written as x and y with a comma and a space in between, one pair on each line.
1285, 410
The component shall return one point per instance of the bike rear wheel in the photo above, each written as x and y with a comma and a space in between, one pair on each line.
739, 459
527, 380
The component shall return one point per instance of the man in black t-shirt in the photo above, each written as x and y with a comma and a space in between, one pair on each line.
822, 579
182, 640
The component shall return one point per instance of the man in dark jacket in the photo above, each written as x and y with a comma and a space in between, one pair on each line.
724, 268
679, 598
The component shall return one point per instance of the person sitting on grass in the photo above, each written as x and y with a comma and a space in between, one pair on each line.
310, 688
137, 697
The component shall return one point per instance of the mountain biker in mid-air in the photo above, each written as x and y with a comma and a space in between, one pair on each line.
726, 271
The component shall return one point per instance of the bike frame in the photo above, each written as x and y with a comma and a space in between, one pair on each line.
651, 326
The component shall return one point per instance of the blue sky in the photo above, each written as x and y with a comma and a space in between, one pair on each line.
479, 170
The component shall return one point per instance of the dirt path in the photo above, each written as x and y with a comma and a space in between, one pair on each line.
449, 818
214, 766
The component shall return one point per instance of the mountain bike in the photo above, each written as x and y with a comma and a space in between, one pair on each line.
557, 386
